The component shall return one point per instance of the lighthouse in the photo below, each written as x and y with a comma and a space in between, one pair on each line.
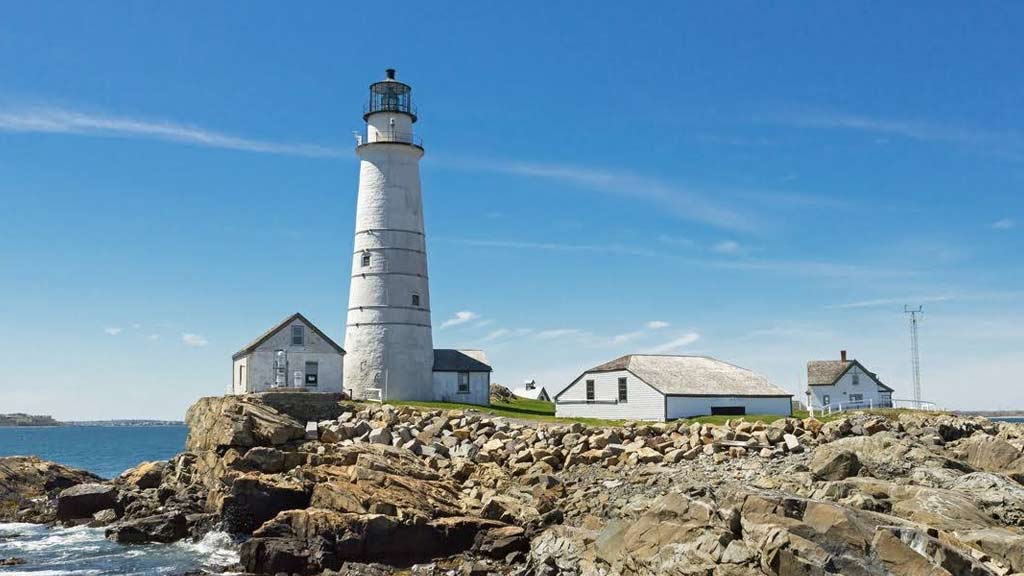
388, 333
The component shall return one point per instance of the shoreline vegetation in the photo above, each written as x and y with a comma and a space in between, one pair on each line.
19, 420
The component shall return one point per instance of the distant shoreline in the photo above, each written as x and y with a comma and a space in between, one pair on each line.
99, 423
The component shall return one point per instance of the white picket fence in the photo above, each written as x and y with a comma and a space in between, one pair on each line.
871, 404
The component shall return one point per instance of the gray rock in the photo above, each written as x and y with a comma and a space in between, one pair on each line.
84, 500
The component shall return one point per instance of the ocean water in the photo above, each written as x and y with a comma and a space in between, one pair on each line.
1017, 419
83, 551
103, 450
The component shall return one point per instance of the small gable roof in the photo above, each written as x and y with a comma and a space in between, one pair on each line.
280, 326
446, 360
828, 372
692, 376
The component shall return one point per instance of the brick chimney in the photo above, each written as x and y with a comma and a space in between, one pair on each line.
842, 355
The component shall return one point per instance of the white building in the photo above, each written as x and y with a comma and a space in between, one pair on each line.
655, 387
531, 391
293, 354
845, 383
462, 376
388, 332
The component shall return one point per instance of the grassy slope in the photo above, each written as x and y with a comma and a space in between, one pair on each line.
545, 412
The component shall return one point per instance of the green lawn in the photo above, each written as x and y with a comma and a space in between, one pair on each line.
545, 412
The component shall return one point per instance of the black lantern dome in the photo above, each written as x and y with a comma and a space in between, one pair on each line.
390, 95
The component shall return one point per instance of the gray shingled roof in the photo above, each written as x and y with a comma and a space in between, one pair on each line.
280, 325
828, 372
460, 361
693, 376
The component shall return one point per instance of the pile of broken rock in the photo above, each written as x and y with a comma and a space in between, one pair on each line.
379, 489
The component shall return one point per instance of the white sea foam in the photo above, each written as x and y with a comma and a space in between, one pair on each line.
216, 548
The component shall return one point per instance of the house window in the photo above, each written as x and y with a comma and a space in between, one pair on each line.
463, 382
298, 335
241, 376
366, 259
825, 400
590, 390
312, 373
622, 389
856, 378
856, 397
415, 299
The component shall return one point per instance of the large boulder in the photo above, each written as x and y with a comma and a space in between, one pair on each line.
29, 485
313, 540
834, 465
222, 422
254, 499
167, 527
84, 500
992, 454
144, 476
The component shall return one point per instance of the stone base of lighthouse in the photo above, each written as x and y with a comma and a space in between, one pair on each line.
405, 374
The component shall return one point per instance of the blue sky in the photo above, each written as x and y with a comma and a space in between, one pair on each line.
766, 186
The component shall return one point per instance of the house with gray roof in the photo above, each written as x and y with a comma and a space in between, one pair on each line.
293, 354
846, 383
462, 376
662, 387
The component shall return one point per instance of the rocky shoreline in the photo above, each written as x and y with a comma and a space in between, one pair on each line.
374, 489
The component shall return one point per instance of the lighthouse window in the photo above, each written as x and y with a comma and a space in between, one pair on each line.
415, 299
366, 259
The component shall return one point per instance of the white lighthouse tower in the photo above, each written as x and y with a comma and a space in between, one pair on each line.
388, 335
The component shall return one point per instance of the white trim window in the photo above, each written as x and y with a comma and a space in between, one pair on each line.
623, 391
856, 378
590, 390
298, 335
312, 373
463, 382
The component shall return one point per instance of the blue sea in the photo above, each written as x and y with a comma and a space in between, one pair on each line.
82, 551
1017, 419
103, 450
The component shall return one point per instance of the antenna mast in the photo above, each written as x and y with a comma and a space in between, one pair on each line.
915, 355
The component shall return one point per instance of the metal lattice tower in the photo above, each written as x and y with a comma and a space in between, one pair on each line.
915, 355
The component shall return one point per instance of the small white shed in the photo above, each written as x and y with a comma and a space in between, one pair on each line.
293, 354
531, 391
661, 387
845, 383
462, 376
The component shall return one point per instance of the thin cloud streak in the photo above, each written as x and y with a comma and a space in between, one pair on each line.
52, 120
682, 201
1009, 144
460, 318
676, 343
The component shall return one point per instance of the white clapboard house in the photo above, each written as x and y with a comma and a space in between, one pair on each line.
294, 354
660, 387
462, 376
845, 383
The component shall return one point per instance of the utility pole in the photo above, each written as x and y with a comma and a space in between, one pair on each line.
915, 355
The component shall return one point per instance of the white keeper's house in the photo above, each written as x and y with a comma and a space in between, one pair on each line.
293, 354
462, 376
660, 387
531, 391
845, 383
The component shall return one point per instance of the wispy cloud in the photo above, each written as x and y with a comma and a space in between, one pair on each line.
194, 340
877, 302
676, 343
113, 330
558, 333
1003, 224
494, 335
727, 247
55, 120
461, 317
657, 324
683, 201
1010, 144
626, 337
